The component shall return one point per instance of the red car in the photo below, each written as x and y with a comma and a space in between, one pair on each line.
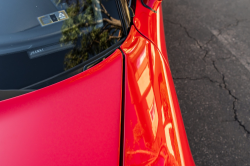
87, 82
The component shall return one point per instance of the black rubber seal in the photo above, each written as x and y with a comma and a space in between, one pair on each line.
122, 144
7, 94
148, 7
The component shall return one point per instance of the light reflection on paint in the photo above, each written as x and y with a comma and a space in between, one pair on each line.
153, 131
154, 117
144, 81
141, 58
168, 140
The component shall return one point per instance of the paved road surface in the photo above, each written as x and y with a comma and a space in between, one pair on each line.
209, 52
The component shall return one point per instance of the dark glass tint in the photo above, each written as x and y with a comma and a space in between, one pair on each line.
40, 39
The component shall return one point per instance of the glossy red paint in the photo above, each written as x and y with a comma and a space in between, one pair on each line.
150, 24
154, 131
160, 42
153, 4
77, 121
73, 122
188, 158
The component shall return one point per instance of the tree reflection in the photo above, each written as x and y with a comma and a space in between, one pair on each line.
88, 30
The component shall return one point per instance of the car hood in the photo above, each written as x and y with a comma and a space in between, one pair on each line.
73, 122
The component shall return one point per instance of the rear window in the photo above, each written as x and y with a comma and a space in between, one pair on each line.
44, 40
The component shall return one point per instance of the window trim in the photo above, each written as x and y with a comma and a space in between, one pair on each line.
123, 15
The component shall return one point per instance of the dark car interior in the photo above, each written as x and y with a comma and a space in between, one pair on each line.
33, 56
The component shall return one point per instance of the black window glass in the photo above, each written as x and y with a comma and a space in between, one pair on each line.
43, 38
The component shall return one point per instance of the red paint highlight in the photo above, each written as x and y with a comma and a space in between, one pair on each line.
154, 131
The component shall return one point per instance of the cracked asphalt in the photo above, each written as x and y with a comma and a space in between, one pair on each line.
209, 53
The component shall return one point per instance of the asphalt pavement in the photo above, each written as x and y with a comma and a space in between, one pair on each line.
208, 44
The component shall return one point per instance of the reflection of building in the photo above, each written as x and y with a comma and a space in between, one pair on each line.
142, 77
147, 84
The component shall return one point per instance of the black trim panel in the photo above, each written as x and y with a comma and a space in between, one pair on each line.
122, 111
122, 17
6, 94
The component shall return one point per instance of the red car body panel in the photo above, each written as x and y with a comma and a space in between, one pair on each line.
73, 122
148, 141
78, 121
152, 4
154, 131
150, 25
